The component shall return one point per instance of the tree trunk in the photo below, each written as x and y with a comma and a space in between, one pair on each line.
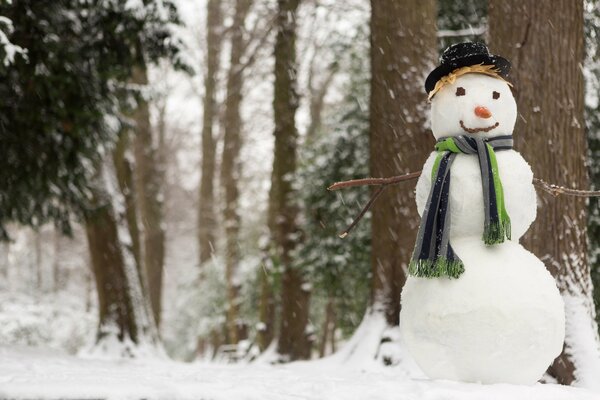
124, 171
544, 41
328, 328
149, 196
403, 49
266, 311
123, 313
56, 278
206, 208
37, 235
293, 342
5, 262
231, 168
317, 100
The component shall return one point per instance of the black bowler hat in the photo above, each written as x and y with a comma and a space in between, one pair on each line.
465, 55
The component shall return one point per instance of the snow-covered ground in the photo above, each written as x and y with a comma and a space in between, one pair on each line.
28, 373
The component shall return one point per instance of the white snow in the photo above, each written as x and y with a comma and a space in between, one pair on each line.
448, 109
502, 320
31, 373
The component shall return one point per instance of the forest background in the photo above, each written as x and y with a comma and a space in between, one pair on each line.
163, 185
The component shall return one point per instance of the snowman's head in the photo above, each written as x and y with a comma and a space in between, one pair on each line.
474, 104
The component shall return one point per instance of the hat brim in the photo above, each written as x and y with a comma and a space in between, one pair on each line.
501, 64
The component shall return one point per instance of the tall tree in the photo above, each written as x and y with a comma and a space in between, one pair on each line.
230, 166
65, 108
206, 200
148, 172
550, 132
592, 28
124, 314
293, 341
403, 49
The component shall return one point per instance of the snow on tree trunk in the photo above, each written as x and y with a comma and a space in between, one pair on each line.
293, 340
125, 326
544, 41
206, 207
403, 48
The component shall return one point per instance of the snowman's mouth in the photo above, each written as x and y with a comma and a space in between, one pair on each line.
476, 130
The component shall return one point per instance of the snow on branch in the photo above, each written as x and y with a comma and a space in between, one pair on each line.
8, 50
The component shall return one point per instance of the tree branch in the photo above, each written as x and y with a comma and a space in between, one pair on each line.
552, 189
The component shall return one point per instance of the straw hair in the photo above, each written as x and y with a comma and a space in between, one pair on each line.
449, 79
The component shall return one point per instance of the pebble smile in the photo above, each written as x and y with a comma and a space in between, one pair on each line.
476, 130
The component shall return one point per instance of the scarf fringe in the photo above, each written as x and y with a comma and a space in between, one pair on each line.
495, 233
442, 267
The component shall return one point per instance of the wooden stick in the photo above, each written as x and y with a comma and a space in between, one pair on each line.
556, 190
363, 211
552, 189
375, 181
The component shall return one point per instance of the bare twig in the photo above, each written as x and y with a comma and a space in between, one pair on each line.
375, 181
362, 212
552, 189
556, 190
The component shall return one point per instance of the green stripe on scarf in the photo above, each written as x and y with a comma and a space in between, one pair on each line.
433, 255
496, 232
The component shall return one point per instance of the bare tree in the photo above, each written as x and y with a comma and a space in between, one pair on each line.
293, 342
545, 42
231, 168
206, 207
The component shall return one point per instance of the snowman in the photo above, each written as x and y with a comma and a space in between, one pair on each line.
477, 306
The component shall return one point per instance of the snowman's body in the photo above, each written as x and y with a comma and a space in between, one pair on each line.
502, 320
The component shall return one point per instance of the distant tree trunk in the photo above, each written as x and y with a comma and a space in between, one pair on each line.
38, 259
149, 196
123, 312
293, 341
5, 263
403, 50
206, 207
56, 278
266, 311
231, 168
328, 328
317, 100
545, 42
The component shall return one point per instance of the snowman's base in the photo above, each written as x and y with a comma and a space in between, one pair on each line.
502, 321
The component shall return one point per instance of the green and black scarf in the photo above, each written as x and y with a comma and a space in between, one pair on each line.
433, 255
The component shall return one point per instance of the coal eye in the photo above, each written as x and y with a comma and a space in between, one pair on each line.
460, 91
495, 95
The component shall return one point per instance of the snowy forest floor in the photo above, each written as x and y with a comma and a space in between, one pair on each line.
28, 373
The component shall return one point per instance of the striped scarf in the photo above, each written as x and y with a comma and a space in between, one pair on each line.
433, 255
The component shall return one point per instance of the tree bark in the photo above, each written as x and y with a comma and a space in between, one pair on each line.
231, 168
206, 208
266, 311
123, 312
293, 342
124, 171
545, 42
328, 328
403, 49
148, 174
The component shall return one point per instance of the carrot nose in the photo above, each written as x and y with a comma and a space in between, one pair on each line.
482, 112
